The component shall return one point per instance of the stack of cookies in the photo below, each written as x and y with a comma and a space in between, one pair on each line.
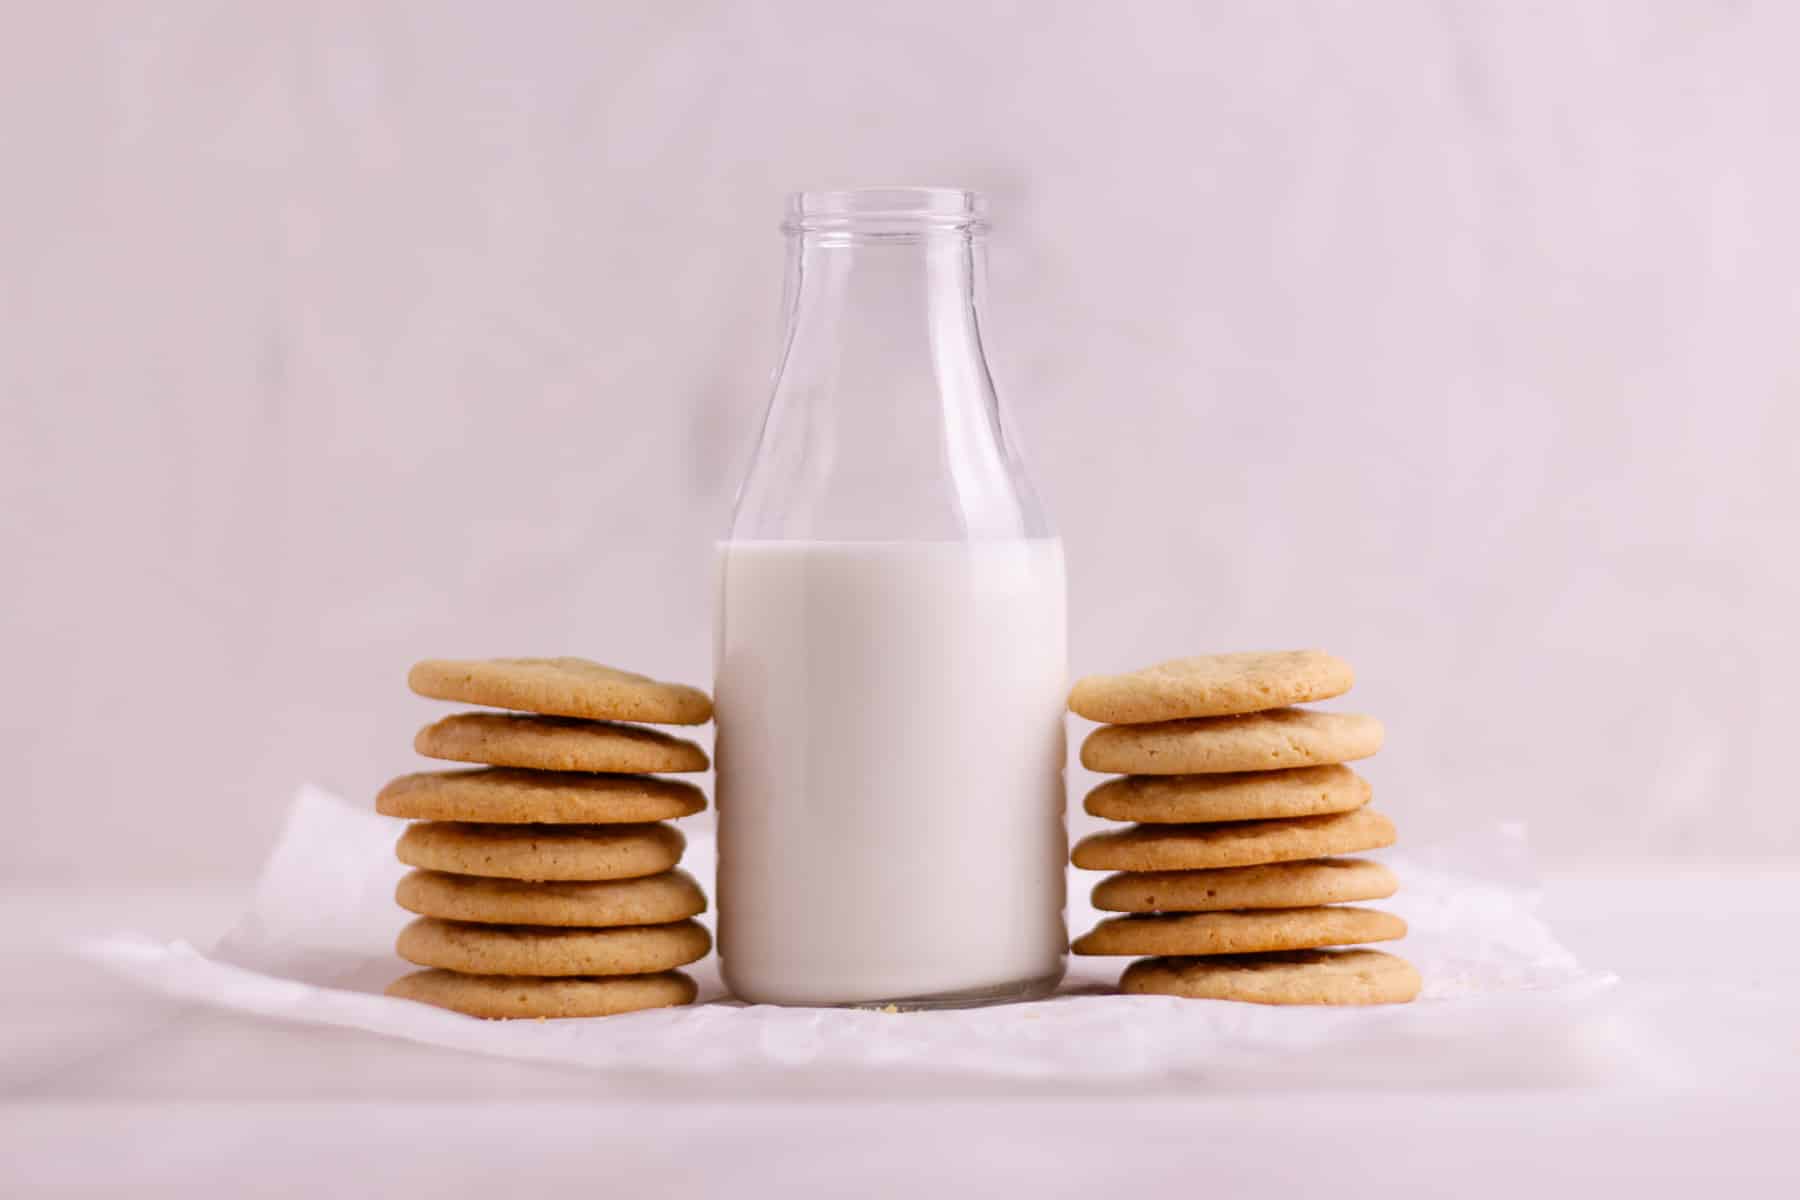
1240, 804
546, 878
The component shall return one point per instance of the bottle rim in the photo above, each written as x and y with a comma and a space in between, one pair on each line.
877, 210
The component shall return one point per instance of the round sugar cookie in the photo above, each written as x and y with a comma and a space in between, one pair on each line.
537, 950
1288, 977
1260, 741
1275, 885
1212, 685
1240, 932
507, 795
564, 687
522, 997
557, 744
1233, 796
1233, 844
579, 852
650, 900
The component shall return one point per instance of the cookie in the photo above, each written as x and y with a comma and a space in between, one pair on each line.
1212, 685
1234, 844
651, 900
1263, 741
579, 852
1240, 932
1290, 977
1276, 885
536, 950
520, 996
1234, 796
506, 795
564, 687
556, 744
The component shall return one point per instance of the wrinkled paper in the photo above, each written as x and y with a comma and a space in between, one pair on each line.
1503, 1003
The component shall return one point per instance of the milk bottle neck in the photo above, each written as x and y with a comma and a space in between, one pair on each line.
890, 317
883, 424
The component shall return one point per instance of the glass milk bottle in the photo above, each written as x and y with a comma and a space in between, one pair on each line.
890, 643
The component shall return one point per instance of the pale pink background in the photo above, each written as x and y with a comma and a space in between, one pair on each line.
1463, 339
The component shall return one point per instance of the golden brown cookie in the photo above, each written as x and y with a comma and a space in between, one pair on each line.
651, 900
1262, 741
521, 996
1212, 685
1240, 932
1274, 885
1233, 844
1233, 796
580, 852
536, 950
505, 795
565, 687
1290, 977
556, 744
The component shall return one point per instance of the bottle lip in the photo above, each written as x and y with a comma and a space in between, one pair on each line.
878, 211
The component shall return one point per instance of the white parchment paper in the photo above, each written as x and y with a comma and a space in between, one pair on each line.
1504, 1002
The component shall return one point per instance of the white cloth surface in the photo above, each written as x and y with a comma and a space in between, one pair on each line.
1504, 1001
106, 1085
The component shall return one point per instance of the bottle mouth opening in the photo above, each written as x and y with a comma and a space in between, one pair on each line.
886, 211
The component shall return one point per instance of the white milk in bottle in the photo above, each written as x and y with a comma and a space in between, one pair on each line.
890, 649
890, 768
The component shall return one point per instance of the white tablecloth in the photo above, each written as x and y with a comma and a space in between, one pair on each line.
110, 1089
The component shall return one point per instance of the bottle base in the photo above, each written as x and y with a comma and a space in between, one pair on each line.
1012, 992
